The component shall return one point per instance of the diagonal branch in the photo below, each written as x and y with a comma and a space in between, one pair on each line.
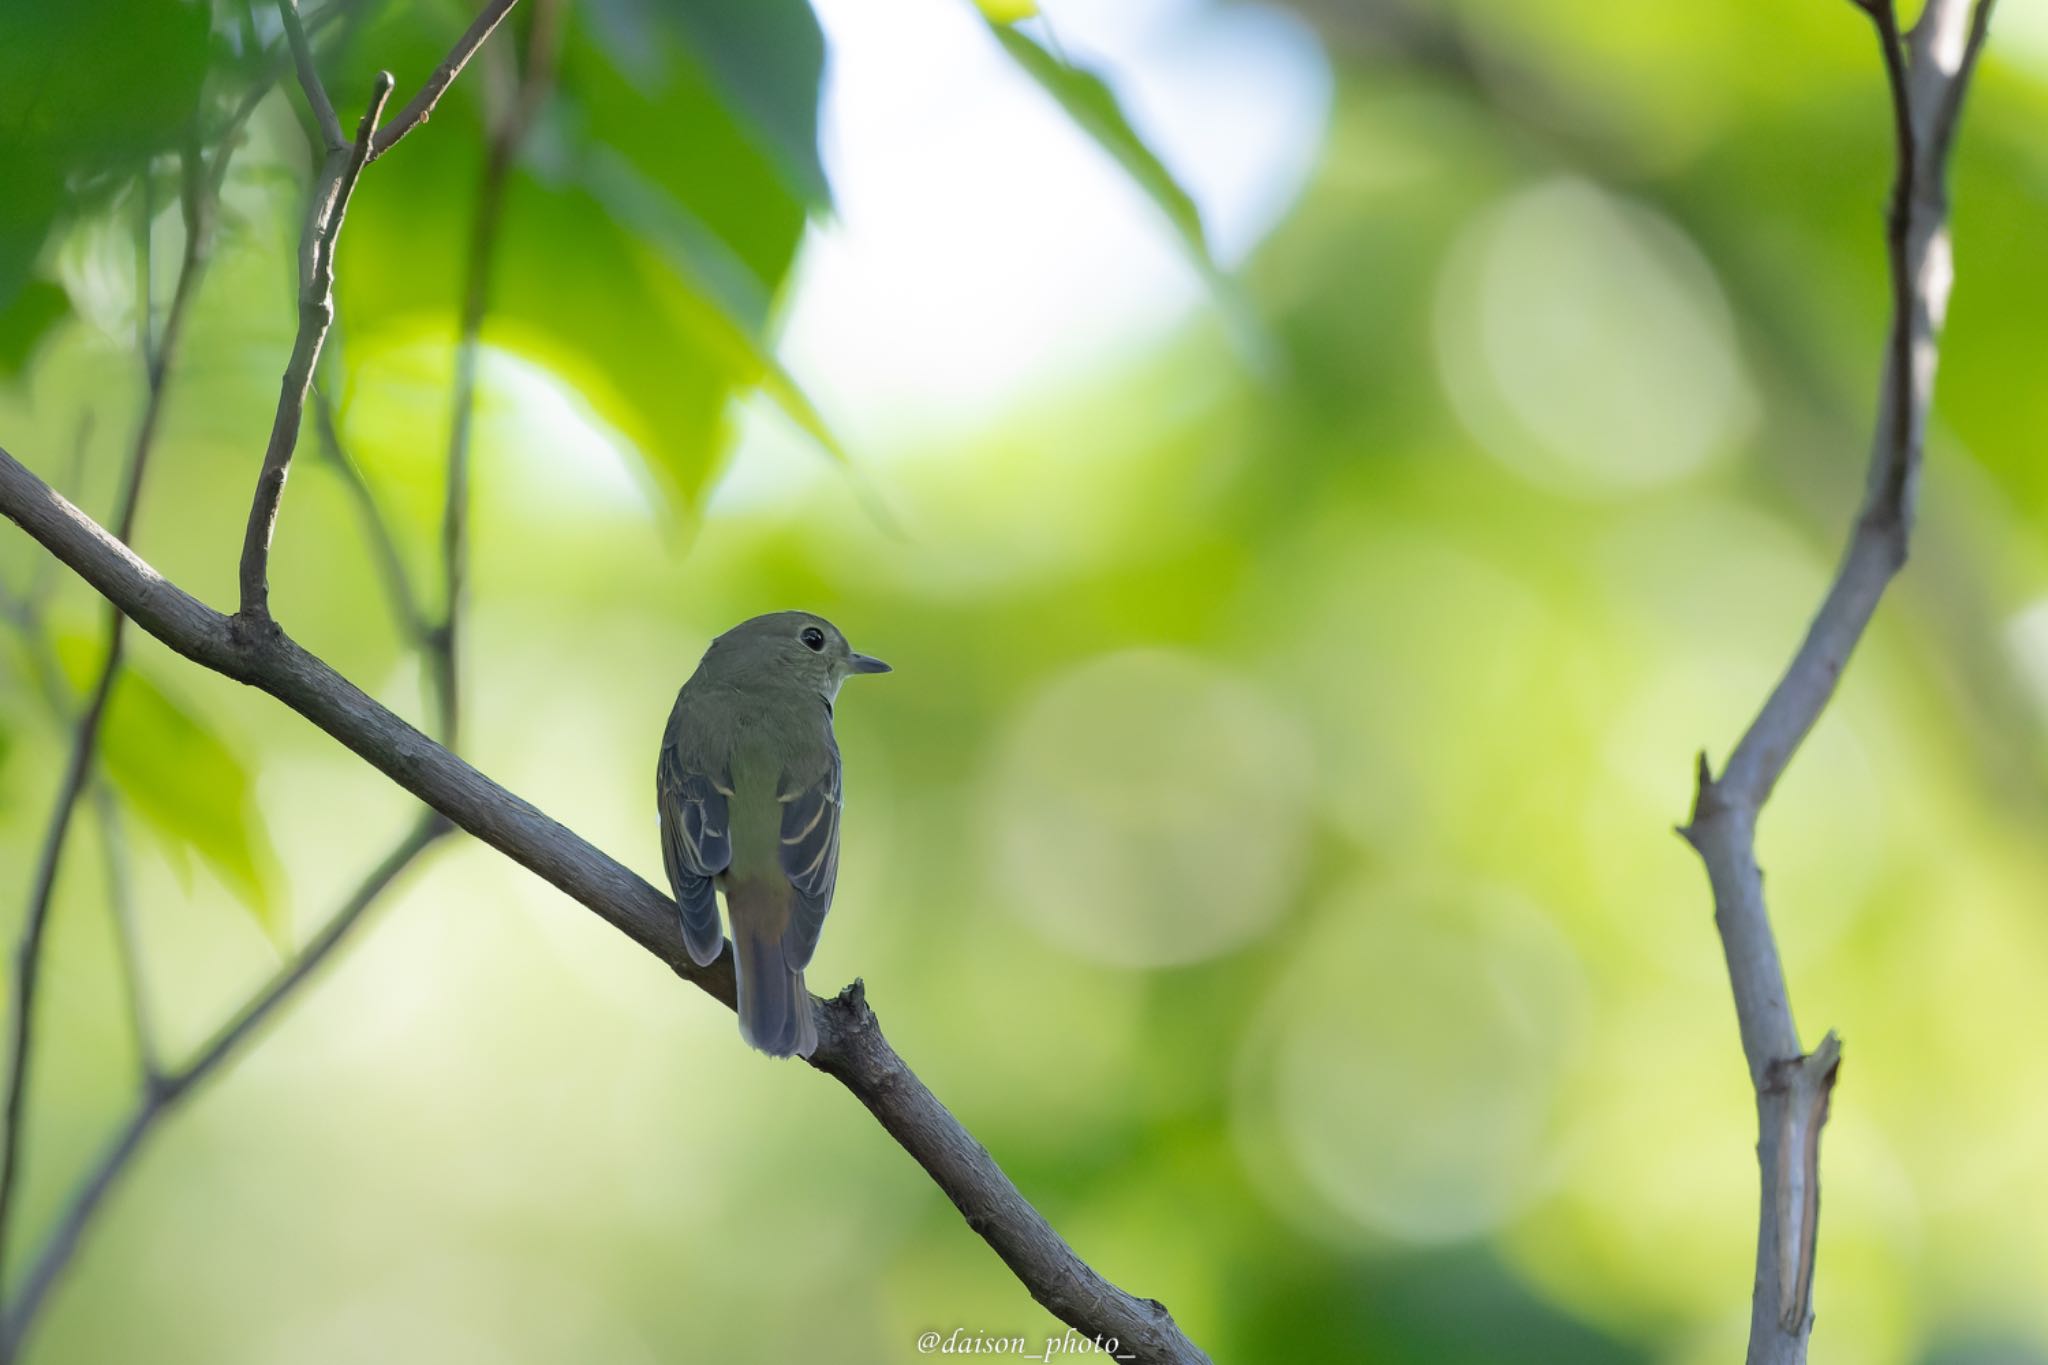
421, 106
1927, 74
851, 1047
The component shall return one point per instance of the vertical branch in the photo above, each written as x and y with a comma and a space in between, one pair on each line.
127, 933
398, 588
329, 204
145, 281
85, 738
508, 130
26, 616
1927, 74
309, 77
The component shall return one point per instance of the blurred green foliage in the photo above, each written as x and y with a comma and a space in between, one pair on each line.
1263, 844
66, 143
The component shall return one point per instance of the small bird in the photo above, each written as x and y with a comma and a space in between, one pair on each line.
749, 793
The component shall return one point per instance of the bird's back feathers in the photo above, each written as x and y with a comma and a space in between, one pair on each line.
749, 798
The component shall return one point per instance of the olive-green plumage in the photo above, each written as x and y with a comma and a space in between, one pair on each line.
749, 793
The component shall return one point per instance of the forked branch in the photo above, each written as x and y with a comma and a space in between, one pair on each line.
1927, 74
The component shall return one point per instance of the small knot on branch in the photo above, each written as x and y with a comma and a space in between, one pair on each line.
253, 629
853, 1000
1706, 802
850, 1039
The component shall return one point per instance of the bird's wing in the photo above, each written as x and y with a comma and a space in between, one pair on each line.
696, 845
810, 856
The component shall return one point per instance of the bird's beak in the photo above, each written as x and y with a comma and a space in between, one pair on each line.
866, 663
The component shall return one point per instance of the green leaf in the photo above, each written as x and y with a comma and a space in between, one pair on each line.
185, 781
643, 241
35, 193
1007, 11
737, 318
1090, 102
36, 308
89, 90
766, 59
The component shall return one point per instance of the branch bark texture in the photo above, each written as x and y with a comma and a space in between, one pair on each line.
1927, 74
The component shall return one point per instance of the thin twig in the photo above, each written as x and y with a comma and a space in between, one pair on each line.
127, 932
28, 954
536, 79
86, 734
420, 107
309, 77
145, 282
275, 63
1794, 1087
329, 205
391, 568
49, 678
48, 672
163, 1098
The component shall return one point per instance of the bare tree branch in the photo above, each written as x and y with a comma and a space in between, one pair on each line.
309, 77
329, 204
851, 1047
86, 731
421, 106
127, 933
49, 675
1927, 76
508, 130
164, 1094
398, 585
273, 65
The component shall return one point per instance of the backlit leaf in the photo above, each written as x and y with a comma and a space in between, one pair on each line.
185, 781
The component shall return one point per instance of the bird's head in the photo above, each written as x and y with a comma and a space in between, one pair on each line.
788, 648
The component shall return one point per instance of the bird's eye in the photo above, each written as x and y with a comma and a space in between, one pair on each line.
813, 638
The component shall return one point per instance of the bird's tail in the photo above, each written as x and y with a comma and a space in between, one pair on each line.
774, 1007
